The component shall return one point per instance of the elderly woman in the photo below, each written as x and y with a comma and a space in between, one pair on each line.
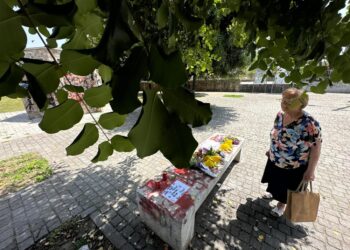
294, 150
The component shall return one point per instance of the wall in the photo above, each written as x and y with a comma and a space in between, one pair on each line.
41, 53
230, 85
263, 88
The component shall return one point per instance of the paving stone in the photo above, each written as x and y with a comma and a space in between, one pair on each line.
128, 246
134, 238
127, 231
23, 236
97, 218
272, 241
53, 224
130, 217
25, 244
246, 227
116, 220
278, 234
244, 236
5, 212
9, 243
334, 242
5, 221
115, 237
6, 234
21, 227
88, 211
40, 233
284, 228
123, 212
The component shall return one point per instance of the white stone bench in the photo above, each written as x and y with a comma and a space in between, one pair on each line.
174, 222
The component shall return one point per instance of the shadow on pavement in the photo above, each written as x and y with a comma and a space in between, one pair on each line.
22, 117
220, 118
200, 94
225, 222
342, 108
107, 194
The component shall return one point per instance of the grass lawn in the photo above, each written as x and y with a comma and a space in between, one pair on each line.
10, 105
21, 171
234, 96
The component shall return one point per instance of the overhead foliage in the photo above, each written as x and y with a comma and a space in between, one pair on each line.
133, 40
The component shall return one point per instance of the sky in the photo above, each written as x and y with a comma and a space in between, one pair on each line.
33, 41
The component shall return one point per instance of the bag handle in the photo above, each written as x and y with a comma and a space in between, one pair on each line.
303, 185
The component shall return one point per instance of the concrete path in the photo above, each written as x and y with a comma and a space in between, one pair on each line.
232, 217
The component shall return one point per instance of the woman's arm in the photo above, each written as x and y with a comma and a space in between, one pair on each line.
315, 152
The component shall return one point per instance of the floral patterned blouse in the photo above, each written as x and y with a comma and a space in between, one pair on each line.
291, 145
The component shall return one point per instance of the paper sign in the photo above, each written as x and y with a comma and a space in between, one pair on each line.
175, 191
209, 144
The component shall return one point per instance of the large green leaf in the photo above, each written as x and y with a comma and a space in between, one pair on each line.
10, 80
167, 70
61, 95
44, 31
4, 66
105, 150
87, 137
64, 32
43, 17
183, 103
86, 5
178, 143
126, 82
98, 96
73, 88
122, 144
149, 130
162, 15
320, 88
88, 26
36, 91
336, 76
111, 120
129, 20
105, 73
345, 74
13, 39
78, 63
117, 37
61, 117
47, 74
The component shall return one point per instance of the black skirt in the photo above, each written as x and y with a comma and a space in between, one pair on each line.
279, 180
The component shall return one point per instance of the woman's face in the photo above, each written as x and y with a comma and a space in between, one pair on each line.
290, 103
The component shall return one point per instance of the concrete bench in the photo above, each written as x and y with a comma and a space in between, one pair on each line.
173, 218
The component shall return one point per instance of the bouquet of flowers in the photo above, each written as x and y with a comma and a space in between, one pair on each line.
210, 155
210, 158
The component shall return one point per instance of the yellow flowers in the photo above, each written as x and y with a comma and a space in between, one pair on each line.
212, 160
226, 145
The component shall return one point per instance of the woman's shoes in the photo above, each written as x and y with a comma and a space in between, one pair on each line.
267, 196
277, 211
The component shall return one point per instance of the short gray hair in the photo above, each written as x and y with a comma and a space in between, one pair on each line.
298, 94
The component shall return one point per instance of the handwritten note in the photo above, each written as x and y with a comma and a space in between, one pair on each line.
175, 191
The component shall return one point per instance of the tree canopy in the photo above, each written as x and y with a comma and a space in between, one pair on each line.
133, 40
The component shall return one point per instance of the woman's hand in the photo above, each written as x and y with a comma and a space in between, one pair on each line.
309, 175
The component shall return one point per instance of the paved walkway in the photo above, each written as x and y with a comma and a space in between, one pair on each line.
232, 217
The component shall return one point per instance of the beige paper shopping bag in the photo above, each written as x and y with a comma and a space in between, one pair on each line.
302, 205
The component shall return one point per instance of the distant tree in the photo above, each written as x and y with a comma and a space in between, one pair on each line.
130, 40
